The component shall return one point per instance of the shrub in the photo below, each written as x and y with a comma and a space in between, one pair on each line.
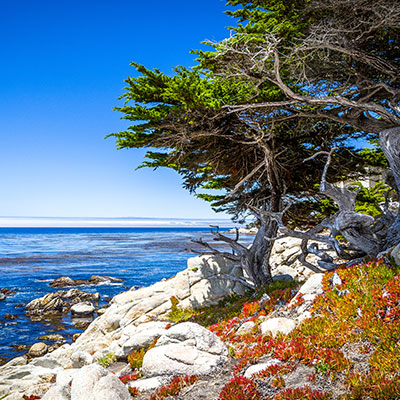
133, 391
108, 359
178, 314
135, 359
240, 388
173, 389
128, 378
302, 394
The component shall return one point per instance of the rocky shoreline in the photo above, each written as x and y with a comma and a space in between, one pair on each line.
134, 320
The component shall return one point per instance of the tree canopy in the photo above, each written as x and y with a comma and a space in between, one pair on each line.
295, 79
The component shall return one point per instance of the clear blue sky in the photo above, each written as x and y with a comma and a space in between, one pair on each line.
63, 65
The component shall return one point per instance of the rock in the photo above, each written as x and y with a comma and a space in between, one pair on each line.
136, 338
2, 296
81, 358
186, 349
48, 361
62, 281
95, 383
20, 347
82, 309
263, 301
274, 326
335, 280
198, 285
311, 288
97, 280
7, 292
57, 302
10, 317
395, 253
81, 324
75, 336
57, 392
146, 384
245, 328
254, 369
17, 361
110, 388
298, 378
38, 349
283, 259
52, 338
82, 384
65, 281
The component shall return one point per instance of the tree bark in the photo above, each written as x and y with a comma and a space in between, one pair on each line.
256, 261
390, 144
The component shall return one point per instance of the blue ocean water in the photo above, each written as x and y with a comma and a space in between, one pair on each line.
30, 258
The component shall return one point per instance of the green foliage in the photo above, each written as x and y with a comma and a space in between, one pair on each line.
135, 359
106, 360
369, 200
374, 157
178, 314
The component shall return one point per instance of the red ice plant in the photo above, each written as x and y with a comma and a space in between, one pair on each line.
240, 388
302, 394
173, 388
133, 391
128, 378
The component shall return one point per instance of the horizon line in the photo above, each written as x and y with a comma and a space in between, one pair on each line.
107, 222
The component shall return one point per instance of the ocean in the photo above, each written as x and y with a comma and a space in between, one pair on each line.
30, 258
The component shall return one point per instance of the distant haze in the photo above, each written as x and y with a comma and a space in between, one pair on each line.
132, 222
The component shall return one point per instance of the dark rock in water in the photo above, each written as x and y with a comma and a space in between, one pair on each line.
81, 324
52, 338
2, 296
65, 281
96, 279
9, 317
20, 347
58, 302
7, 292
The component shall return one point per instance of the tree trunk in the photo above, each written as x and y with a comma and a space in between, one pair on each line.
256, 261
257, 258
390, 143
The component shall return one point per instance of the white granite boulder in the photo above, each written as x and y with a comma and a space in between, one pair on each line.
256, 368
138, 337
246, 328
95, 383
186, 349
274, 326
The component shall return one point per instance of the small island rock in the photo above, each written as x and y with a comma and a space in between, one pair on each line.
65, 281
84, 308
